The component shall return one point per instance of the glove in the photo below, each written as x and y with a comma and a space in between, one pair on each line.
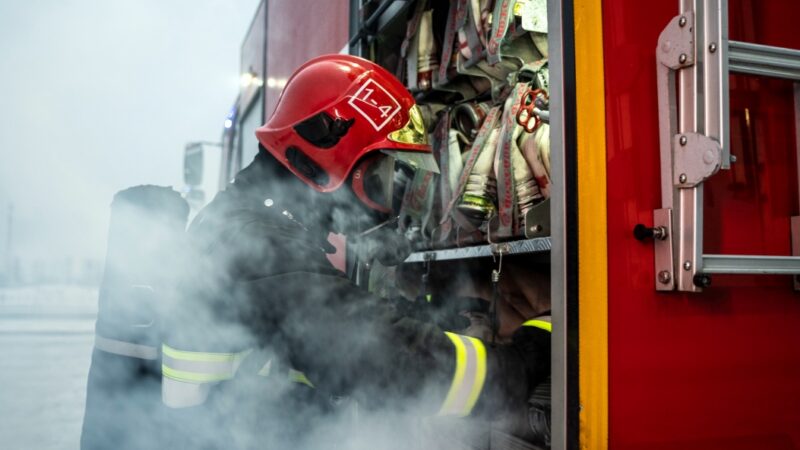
446, 314
533, 347
531, 422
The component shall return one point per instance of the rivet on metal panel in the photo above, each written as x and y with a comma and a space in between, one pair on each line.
733, 159
687, 265
682, 22
712, 47
664, 277
682, 58
682, 178
683, 140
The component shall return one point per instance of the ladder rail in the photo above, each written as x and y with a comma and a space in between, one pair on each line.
764, 60
751, 264
695, 59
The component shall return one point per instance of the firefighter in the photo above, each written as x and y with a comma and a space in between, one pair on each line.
268, 336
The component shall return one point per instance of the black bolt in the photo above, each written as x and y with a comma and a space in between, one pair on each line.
642, 232
701, 280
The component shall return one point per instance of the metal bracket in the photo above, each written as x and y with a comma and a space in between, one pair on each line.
675, 50
537, 220
695, 158
675, 66
676, 42
665, 279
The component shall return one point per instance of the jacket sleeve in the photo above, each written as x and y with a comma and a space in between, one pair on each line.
349, 342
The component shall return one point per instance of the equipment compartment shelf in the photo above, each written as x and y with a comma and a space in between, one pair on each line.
536, 245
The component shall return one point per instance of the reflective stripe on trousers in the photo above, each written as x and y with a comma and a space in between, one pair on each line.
123, 348
187, 376
469, 377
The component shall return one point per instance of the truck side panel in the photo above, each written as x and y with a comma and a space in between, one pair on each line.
720, 369
298, 31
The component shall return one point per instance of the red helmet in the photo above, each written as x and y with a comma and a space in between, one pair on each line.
334, 111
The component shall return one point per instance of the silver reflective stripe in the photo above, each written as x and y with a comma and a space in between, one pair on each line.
123, 348
469, 377
183, 394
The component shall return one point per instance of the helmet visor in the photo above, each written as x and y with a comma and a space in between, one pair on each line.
413, 132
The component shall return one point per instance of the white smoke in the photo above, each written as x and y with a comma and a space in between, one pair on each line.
96, 96
102, 96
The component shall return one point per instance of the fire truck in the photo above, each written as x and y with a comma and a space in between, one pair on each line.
673, 223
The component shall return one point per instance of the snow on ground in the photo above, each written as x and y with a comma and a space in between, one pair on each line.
46, 338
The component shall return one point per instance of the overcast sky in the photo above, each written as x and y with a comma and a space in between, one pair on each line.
100, 95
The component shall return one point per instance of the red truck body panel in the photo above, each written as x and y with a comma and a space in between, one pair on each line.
298, 31
720, 369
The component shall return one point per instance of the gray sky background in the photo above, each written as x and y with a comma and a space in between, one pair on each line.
97, 96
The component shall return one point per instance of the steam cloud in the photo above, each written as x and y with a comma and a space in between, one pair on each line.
212, 306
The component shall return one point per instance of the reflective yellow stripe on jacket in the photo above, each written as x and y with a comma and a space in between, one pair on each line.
187, 375
469, 377
199, 367
542, 324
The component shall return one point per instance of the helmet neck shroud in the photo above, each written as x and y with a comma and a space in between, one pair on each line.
339, 211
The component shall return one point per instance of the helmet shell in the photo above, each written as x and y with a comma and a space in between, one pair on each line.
364, 96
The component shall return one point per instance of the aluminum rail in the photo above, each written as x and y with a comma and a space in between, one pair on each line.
763, 60
751, 264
